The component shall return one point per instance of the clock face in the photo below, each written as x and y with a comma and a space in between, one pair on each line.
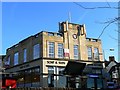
74, 36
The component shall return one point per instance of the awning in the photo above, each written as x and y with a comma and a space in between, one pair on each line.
74, 68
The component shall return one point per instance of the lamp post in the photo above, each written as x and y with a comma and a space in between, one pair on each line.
111, 49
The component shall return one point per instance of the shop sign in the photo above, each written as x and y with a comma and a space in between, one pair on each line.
55, 62
24, 66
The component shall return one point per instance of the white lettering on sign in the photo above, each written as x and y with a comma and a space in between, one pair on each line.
55, 62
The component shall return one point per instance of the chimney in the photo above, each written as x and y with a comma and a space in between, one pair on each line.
111, 58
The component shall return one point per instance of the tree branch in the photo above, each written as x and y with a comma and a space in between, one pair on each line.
109, 7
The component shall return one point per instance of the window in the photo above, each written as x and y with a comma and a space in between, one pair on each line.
51, 70
76, 51
50, 77
51, 49
61, 79
7, 62
89, 53
29, 77
36, 51
59, 35
25, 55
56, 80
50, 34
16, 56
96, 54
60, 50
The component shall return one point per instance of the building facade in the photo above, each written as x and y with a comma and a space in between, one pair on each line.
1, 69
37, 57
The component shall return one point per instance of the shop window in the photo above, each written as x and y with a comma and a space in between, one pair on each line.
50, 77
35, 74
29, 78
90, 82
20, 79
55, 81
61, 79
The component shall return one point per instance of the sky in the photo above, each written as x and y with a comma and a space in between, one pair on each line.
23, 19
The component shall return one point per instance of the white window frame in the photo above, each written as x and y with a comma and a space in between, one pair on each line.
89, 50
96, 54
51, 49
76, 52
60, 50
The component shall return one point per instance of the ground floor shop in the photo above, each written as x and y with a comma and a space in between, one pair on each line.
50, 73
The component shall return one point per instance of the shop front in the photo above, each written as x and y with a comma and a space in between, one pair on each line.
53, 73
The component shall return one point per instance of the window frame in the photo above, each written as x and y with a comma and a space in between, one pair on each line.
76, 52
60, 50
51, 49
89, 52
96, 53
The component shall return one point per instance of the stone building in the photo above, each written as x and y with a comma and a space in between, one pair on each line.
35, 58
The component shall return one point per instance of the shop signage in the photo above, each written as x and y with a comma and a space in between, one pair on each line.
93, 76
55, 62
24, 66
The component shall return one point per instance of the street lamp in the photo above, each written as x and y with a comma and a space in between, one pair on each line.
111, 49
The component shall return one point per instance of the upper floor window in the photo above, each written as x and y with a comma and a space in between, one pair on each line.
25, 55
96, 54
60, 50
51, 49
89, 49
76, 51
50, 34
16, 57
36, 51
7, 61
59, 35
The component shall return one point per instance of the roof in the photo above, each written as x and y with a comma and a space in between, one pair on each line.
113, 67
108, 62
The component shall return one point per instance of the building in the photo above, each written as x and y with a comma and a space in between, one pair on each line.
1, 69
113, 69
1, 62
37, 57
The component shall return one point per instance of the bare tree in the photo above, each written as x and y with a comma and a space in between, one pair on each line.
109, 22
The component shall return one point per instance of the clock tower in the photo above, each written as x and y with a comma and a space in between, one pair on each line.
73, 34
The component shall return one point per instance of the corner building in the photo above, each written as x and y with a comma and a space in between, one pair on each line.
35, 58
